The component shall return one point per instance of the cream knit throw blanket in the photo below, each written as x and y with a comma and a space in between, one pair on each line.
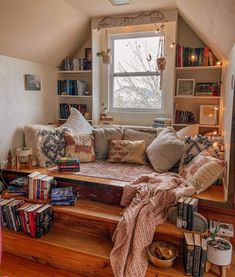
148, 197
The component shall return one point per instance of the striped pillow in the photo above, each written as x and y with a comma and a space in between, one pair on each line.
203, 171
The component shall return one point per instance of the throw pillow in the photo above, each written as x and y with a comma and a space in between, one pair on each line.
203, 171
147, 135
165, 150
81, 147
189, 131
77, 123
126, 151
195, 145
51, 146
102, 137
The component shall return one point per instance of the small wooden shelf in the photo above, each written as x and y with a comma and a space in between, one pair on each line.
74, 71
76, 96
191, 68
200, 125
199, 97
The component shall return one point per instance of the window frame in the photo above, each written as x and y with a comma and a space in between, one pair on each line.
112, 74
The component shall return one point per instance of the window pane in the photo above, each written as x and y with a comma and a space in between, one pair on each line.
135, 54
137, 92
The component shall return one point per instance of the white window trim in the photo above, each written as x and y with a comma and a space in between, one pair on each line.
123, 74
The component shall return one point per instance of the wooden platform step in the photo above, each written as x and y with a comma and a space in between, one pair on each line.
73, 252
13, 266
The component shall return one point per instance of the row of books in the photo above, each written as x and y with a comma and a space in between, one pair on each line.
39, 186
33, 219
186, 56
161, 122
63, 196
184, 117
18, 187
77, 64
71, 87
186, 207
68, 165
194, 254
65, 109
207, 89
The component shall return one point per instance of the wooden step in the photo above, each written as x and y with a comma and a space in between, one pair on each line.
73, 252
19, 267
100, 220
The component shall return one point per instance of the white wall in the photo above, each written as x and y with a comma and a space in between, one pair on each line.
19, 107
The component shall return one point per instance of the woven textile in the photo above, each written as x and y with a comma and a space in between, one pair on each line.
149, 198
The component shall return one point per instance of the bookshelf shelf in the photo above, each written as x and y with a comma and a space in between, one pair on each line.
64, 119
75, 71
76, 96
200, 125
193, 68
198, 97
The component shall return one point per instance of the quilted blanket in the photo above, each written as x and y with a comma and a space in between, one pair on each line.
147, 199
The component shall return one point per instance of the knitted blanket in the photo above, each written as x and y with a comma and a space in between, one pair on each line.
149, 198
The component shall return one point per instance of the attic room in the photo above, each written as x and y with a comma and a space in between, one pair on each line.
117, 138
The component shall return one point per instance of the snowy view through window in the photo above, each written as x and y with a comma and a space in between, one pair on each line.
135, 80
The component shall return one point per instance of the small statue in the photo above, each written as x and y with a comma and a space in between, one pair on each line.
9, 159
103, 112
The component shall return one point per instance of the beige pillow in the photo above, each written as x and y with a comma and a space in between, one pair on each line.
102, 137
165, 150
80, 146
126, 151
77, 123
189, 131
203, 171
147, 135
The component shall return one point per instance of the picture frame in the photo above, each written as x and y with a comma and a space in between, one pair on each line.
32, 82
208, 115
185, 87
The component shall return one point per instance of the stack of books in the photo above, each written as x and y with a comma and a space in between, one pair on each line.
208, 89
18, 187
71, 87
65, 109
161, 122
77, 64
39, 186
184, 117
186, 207
33, 219
68, 165
63, 196
194, 254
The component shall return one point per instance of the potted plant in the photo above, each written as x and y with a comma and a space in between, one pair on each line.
105, 55
219, 250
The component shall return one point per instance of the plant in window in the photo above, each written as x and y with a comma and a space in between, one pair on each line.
105, 55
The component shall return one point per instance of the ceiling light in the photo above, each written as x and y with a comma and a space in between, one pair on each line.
120, 2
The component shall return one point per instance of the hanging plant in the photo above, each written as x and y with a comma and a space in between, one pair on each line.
105, 55
161, 59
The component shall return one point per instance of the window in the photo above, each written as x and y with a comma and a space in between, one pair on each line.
135, 83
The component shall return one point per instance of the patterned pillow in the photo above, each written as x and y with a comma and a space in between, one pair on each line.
203, 171
51, 146
195, 145
80, 146
125, 151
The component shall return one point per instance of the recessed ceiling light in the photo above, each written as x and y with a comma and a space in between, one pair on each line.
120, 2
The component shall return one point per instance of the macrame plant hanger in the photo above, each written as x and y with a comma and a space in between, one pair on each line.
161, 59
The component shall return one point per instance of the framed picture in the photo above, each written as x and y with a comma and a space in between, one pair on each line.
185, 87
208, 114
32, 82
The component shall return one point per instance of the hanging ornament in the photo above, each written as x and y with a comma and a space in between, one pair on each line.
149, 58
161, 59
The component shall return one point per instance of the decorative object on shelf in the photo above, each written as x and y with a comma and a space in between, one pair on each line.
148, 16
105, 55
88, 54
185, 87
208, 114
162, 254
32, 82
24, 157
87, 115
9, 159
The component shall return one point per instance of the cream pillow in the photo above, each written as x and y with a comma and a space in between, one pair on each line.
165, 150
126, 151
189, 131
77, 123
203, 171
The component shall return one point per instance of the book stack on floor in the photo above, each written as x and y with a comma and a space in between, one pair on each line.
186, 207
161, 122
33, 219
63, 196
39, 186
68, 165
194, 254
18, 187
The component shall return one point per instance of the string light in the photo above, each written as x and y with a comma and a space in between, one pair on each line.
215, 133
218, 63
216, 107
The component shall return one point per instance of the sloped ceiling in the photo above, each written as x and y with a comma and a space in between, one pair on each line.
47, 31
